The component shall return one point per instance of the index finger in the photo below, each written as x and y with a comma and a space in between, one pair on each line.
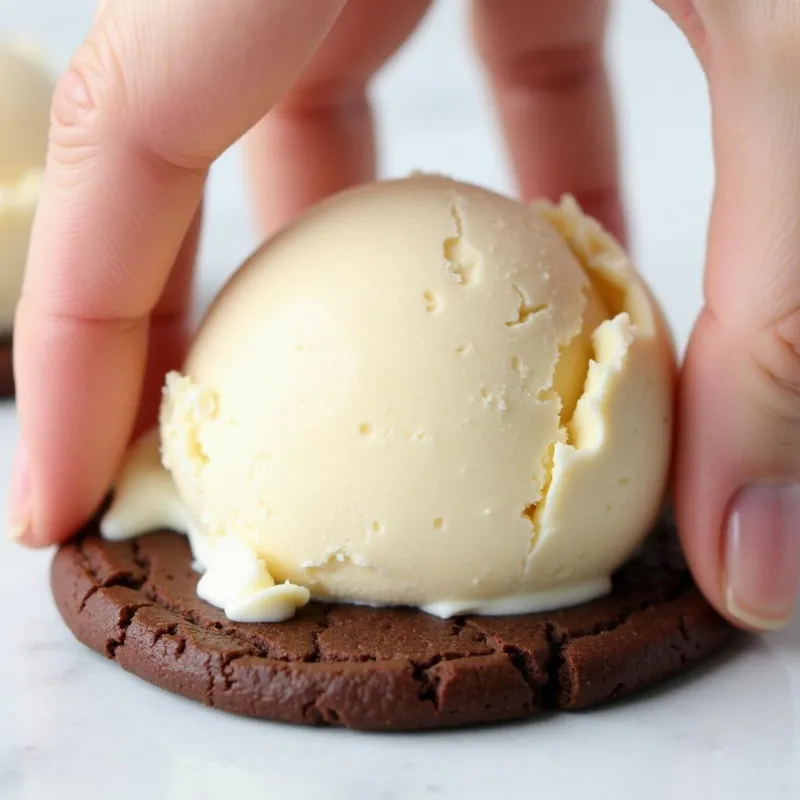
156, 92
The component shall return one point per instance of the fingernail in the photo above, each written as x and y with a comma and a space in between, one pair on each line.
762, 556
19, 500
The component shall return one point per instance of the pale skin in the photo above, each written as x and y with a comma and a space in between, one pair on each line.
159, 90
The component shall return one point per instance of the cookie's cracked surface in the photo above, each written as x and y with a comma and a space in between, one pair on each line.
387, 669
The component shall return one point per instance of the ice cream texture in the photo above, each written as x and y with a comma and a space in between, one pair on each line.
420, 393
26, 88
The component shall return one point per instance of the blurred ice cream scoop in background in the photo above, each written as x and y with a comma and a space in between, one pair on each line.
26, 89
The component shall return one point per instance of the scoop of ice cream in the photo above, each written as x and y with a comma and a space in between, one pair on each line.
26, 89
425, 393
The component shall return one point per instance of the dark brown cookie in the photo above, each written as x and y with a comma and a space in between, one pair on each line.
381, 669
6, 367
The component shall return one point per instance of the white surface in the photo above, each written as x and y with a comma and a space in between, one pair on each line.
75, 726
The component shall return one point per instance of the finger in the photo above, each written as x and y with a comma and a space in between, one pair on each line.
544, 62
320, 138
545, 66
738, 464
156, 92
169, 327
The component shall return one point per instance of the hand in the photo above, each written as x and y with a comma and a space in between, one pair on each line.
738, 454
133, 138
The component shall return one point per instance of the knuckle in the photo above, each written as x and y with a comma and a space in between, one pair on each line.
340, 97
552, 69
87, 100
775, 355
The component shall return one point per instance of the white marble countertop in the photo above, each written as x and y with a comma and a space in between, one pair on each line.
73, 725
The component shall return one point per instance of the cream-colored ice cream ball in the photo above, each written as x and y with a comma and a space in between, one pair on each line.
426, 393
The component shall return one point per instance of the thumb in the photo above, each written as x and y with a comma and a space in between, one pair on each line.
738, 467
738, 461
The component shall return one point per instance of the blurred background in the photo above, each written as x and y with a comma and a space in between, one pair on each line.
433, 114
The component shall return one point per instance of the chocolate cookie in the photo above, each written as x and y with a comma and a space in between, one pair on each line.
382, 669
6, 367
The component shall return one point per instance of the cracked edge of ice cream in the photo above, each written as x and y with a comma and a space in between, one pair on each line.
233, 577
